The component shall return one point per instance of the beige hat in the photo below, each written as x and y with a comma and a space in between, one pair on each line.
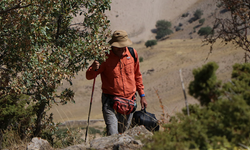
120, 39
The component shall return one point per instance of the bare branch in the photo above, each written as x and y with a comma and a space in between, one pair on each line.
13, 8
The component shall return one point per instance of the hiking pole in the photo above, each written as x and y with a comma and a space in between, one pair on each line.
93, 87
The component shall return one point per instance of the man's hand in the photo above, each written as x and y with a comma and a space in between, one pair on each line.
143, 103
95, 65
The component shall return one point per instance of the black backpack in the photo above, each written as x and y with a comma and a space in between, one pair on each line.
147, 119
131, 50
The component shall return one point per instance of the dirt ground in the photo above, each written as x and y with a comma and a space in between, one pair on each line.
161, 64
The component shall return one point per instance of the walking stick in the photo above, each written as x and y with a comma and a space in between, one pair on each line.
93, 87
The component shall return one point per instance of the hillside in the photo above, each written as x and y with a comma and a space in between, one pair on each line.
161, 64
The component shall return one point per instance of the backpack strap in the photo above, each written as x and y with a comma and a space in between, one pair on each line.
131, 50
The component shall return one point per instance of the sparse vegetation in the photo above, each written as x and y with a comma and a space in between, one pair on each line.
150, 43
197, 15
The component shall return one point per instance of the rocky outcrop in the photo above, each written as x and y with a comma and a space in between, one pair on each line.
126, 141
39, 144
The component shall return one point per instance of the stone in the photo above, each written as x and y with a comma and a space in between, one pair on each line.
38, 144
125, 141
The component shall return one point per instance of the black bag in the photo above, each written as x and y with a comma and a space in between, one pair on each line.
147, 119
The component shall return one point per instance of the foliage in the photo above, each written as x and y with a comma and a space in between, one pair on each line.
221, 124
150, 43
185, 15
162, 27
15, 113
205, 31
40, 46
201, 21
65, 137
197, 14
178, 28
235, 28
140, 59
205, 86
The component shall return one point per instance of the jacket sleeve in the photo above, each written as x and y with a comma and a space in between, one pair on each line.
91, 73
138, 76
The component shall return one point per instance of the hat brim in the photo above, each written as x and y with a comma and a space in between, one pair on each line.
126, 43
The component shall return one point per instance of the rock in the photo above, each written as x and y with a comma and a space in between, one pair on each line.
125, 141
139, 131
38, 144
76, 147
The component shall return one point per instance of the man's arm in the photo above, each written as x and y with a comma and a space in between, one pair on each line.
93, 70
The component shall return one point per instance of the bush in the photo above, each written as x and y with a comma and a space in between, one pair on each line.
178, 28
162, 33
205, 31
150, 43
185, 15
220, 124
140, 59
162, 27
163, 24
197, 14
201, 21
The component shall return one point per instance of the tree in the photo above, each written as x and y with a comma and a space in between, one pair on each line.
205, 86
150, 43
235, 28
40, 47
162, 27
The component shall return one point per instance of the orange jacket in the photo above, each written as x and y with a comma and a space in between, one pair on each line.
120, 76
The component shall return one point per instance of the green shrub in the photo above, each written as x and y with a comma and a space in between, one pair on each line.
162, 27
197, 14
140, 59
162, 33
163, 24
201, 21
150, 43
220, 124
15, 117
205, 31
185, 15
178, 28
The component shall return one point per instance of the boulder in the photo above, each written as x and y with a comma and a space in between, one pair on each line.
125, 141
38, 144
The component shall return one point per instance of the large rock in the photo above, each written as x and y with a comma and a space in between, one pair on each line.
125, 141
39, 144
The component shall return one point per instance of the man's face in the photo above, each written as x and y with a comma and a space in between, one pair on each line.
117, 49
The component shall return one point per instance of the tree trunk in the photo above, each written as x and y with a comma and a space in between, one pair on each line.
1, 139
40, 116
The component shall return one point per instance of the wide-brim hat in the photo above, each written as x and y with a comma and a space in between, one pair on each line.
120, 39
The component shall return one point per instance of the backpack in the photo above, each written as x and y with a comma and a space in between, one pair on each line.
147, 119
131, 50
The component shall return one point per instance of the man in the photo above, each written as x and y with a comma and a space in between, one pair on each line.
120, 76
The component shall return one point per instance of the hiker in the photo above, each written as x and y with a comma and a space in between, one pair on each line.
121, 77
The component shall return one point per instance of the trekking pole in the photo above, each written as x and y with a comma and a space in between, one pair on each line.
93, 87
184, 92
